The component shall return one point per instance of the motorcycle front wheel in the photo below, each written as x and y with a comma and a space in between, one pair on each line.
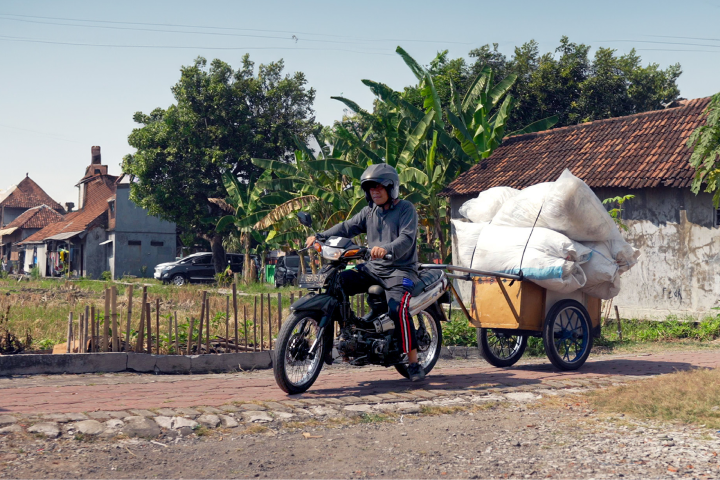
429, 338
294, 367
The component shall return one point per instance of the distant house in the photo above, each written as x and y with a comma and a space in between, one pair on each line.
645, 155
106, 233
25, 208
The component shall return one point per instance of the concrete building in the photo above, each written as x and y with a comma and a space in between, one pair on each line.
677, 232
107, 233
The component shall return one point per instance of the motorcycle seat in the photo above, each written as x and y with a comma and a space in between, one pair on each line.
376, 290
427, 278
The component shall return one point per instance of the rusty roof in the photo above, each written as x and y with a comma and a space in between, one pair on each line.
28, 194
637, 151
36, 217
93, 212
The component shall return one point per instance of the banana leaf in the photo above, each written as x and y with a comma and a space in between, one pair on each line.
501, 88
538, 126
336, 165
284, 210
432, 99
276, 166
414, 139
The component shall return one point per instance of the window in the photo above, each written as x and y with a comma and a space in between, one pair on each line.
134, 242
203, 260
155, 243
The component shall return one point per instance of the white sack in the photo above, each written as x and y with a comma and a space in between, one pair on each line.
604, 290
486, 205
601, 267
551, 259
625, 255
467, 234
569, 206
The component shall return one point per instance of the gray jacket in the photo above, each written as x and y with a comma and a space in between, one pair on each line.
394, 229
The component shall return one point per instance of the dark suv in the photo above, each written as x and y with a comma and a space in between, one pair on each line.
197, 267
286, 269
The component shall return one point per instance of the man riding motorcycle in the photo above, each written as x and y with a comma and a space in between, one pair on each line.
391, 226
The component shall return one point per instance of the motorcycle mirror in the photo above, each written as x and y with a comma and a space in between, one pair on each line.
305, 219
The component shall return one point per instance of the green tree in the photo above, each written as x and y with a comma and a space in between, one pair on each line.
222, 118
705, 142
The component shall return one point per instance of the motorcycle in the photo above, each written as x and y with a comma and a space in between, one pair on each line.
307, 336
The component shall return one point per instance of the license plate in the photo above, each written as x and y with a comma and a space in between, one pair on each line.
312, 280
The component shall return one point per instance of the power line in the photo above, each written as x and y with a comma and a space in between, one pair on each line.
234, 28
177, 47
107, 27
686, 38
664, 43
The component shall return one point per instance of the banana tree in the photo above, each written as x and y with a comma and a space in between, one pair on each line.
479, 119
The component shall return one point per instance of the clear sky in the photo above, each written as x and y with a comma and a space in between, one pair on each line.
72, 73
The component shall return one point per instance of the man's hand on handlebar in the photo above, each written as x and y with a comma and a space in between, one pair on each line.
378, 253
310, 240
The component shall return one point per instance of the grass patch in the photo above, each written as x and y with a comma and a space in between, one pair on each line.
254, 430
373, 418
689, 397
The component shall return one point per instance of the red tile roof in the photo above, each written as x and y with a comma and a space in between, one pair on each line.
37, 217
93, 212
28, 194
637, 151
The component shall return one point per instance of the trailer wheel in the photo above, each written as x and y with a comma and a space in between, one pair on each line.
566, 335
500, 348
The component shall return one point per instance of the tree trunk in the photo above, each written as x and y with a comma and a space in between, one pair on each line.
218, 254
247, 261
262, 263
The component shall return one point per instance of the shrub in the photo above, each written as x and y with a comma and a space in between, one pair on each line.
35, 273
106, 276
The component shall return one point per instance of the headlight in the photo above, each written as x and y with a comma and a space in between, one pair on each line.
331, 253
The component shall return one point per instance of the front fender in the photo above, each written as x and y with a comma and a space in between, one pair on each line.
316, 303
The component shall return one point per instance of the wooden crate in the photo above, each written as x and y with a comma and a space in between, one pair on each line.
491, 307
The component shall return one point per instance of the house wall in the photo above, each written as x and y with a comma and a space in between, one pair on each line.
675, 232
11, 213
95, 255
133, 224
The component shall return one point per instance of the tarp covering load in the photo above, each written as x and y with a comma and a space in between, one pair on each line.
557, 233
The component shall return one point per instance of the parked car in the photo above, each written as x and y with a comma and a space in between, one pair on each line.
196, 268
286, 270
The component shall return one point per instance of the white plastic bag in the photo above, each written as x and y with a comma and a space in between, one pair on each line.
467, 234
604, 290
601, 267
568, 205
486, 205
625, 255
551, 259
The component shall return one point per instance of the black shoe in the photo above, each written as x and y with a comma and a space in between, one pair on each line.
416, 372
329, 358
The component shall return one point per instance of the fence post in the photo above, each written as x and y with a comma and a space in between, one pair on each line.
269, 322
207, 326
115, 333
235, 311
93, 343
170, 333
202, 319
177, 344
255, 324
141, 328
85, 328
279, 311
189, 335
148, 327
227, 323
619, 325
262, 321
129, 293
81, 328
69, 331
106, 325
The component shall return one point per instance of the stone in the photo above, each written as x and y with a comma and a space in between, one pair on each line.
228, 421
56, 417
99, 415
114, 423
293, 404
15, 428
173, 364
142, 413
90, 427
120, 414
277, 407
362, 408
164, 422
32, 364
521, 396
251, 407
76, 417
325, 411
141, 362
180, 422
229, 408
167, 412
185, 431
188, 412
7, 420
49, 429
210, 421
407, 407
257, 417
211, 410
333, 401
424, 394
385, 407
283, 416
141, 427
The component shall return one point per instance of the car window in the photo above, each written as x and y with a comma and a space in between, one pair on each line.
236, 259
292, 262
203, 260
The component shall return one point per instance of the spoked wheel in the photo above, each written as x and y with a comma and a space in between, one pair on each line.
178, 280
567, 335
500, 349
429, 338
295, 368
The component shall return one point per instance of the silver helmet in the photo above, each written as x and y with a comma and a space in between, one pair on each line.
383, 174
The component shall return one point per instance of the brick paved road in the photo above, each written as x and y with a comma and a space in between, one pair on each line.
87, 393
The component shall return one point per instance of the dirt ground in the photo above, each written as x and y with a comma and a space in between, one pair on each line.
550, 438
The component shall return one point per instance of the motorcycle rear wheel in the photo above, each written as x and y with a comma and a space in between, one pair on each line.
429, 338
295, 371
